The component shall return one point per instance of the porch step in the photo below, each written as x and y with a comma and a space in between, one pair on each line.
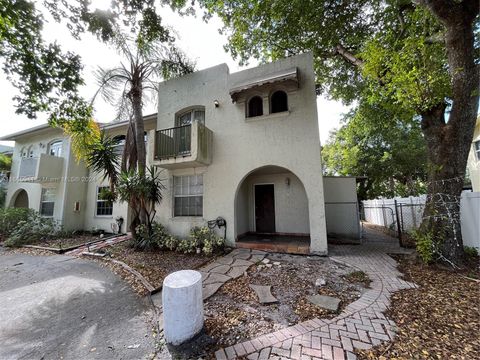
287, 248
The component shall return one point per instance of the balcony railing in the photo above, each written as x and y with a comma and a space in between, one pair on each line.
28, 167
184, 146
173, 142
45, 168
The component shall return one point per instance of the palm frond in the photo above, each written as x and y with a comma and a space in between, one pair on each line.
104, 158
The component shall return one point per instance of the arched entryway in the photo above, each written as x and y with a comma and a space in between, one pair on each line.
20, 199
271, 211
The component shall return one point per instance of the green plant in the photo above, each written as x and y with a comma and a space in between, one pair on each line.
33, 229
470, 251
10, 218
205, 239
424, 245
187, 246
171, 242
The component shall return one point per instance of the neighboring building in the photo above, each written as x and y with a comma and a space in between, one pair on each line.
243, 146
46, 177
6, 150
473, 164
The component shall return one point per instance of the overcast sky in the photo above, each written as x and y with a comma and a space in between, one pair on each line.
199, 40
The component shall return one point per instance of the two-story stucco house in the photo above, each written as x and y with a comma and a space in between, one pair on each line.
242, 146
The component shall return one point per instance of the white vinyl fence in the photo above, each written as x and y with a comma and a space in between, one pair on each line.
382, 212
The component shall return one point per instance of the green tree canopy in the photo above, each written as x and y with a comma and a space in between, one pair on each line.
391, 155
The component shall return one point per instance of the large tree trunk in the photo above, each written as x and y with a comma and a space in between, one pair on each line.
449, 142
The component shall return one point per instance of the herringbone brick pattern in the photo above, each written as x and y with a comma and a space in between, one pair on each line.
361, 325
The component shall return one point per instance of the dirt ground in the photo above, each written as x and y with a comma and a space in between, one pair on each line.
234, 314
74, 240
153, 265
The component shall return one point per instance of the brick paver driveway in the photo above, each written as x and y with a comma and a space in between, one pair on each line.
361, 325
61, 307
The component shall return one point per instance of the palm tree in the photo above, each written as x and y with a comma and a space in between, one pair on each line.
126, 85
102, 156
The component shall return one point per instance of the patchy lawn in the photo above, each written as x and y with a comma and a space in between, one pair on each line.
234, 314
439, 320
152, 265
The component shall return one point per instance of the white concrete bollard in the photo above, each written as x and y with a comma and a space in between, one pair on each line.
182, 306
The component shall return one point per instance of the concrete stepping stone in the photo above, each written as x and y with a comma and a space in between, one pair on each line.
237, 271
327, 302
225, 260
216, 278
241, 262
220, 269
263, 293
210, 289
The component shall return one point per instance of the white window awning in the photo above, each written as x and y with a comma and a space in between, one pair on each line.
288, 75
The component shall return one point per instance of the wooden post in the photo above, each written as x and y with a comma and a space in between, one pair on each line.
399, 229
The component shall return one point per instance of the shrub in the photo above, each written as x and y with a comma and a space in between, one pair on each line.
171, 242
156, 237
201, 239
187, 246
32, 230
10, 218
205, 239
470, 251
424, 245
143, 239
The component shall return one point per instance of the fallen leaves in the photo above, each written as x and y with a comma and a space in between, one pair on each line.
439, 320
233, 314
153, 265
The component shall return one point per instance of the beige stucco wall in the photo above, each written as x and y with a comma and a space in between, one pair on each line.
473, 164
291, 203
289, 140
341, 207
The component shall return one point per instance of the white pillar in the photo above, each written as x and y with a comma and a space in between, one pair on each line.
182, 306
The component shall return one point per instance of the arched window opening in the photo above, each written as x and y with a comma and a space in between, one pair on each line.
31, 152
23, 153
55, 148
255, 106
279, 101
187, 117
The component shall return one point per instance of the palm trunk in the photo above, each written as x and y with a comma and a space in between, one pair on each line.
139, 129
136, 94
449, 142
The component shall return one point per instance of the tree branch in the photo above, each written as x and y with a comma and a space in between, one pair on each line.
347, 55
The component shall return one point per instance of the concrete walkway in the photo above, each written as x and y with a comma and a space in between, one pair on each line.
361, 325
228, 267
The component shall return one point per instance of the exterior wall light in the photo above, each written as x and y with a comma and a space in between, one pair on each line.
287, 181
216, 103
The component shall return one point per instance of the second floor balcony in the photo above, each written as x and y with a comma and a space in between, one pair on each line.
45, 168
183, 146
